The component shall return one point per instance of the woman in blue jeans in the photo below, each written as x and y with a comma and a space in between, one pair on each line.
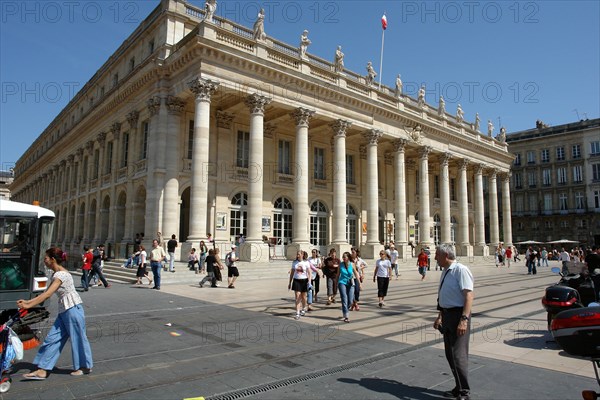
346, 272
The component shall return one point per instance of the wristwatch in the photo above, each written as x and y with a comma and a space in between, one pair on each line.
464, 318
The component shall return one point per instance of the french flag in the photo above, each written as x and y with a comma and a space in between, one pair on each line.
384, 22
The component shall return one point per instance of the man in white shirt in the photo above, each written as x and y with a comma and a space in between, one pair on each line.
565, 257
393, 255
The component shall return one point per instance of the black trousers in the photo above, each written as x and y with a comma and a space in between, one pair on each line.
97, 271
457, 348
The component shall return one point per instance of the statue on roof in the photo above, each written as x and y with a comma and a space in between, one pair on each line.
338, 64
460, 115
442, 107
421, 98
477, 122
304, 43
502, 135
490, 128
259, 26
371, 74
210, 7
398, 86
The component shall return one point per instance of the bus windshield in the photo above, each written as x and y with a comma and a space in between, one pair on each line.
17, 249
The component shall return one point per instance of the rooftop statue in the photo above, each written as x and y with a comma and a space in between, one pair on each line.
477, 122
398, 86
371, 74
210, 7
259, 26
338, 64
502, 136
460, 115
421, 98
490, 128
442, 107
304, 43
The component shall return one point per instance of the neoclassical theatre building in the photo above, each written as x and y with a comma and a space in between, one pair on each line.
197, 124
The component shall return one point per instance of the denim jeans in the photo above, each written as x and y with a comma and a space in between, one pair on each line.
85, 278
156, 270
347, 296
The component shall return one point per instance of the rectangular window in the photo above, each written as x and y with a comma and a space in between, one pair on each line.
109, 157
436, 187
562, 201
520, 226
595, 148
125, 154
564, 224
518, 180
102, 91
115, 79
190, 141
319, 163
531, 179
560, 153
96, 163
579, 203
561, 175
151, 47
145, 133
547, 176
596, 198
517, 159
576, 151
350, 169
519, 205
243, 149
84, 173
453, 189
131, 64
548, 224
545, 155
577, 174
533, 206
596, 172
547, 202
283, 157
531, 157
581, 223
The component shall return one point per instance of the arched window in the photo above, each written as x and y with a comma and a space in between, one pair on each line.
238, 215
437, 229
283, 221
351, 226
318, 224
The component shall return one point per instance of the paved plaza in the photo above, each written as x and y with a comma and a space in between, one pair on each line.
219, 343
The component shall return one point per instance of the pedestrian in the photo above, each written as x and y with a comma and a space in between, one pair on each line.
516, 254
330, 270
218, 267
299, 275
508, 255
382, 273
428, 252
360, 266
316, 266
393, 255
193, 260
232, 270
171, 246
346, 272
422, 263
455, 301
211, 264
142, 271
544, 257
98, 258
69, 323
87, 259
157, 256
564, 257
203, 253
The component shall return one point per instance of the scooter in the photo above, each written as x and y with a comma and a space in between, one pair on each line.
572, 291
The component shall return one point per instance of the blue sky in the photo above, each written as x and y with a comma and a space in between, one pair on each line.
515, 60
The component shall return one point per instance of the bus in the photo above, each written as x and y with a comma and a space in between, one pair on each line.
25, 235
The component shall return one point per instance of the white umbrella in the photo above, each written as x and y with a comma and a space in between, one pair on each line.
529, 242
563, 241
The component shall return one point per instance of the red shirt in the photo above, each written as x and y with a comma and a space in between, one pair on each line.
422, 260
87, 261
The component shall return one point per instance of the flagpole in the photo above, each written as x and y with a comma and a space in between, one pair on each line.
381, 59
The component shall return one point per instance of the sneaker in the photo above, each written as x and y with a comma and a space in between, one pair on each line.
297, 317
201, 285
302, 313
380, 305
452, 393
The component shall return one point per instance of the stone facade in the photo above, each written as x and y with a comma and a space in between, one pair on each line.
556, 182
194, 126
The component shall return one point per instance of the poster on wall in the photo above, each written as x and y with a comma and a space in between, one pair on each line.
411, 231
266, 224
221, 221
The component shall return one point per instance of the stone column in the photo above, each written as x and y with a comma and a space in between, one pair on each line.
170, 222
203, 89
132, 120
445, 199
300, 237
339, 241
479, 213
70, 222
401, 231
506, 216
87, 228
464, 247
372, 246
101, 139
493, 199
115, 128
254, 249
424, 213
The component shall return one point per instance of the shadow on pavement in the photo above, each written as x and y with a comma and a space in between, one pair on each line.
395, 388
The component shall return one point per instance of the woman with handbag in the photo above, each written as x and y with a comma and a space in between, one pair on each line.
346, 272
360, 266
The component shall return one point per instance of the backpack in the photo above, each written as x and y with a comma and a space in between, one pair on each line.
228, 262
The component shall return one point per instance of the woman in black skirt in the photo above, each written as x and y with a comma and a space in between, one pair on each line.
383, 271
141, 271
300, 274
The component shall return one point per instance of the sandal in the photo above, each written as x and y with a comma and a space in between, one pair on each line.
33, 376
82, 371
346, 320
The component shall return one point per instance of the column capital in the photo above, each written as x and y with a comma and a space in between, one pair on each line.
479, 167
339, 127
224, 119
302, 116
115, 128
463, 164
175, 105
79, 152
373, 136
89, 146
506, 176
132, 119
388, 158
493, 172
424, 152
101, 138
203, 88
400, 145
70, 159
445, 160
257, 103
153, 104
